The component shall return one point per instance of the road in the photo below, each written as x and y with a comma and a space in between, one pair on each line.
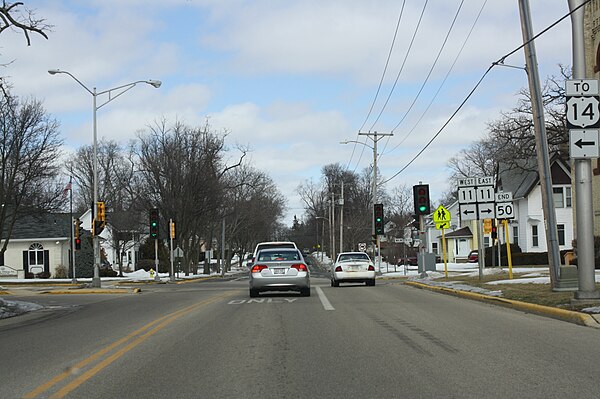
210, 340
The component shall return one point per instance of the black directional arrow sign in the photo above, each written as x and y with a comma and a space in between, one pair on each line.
584, 143
580, 143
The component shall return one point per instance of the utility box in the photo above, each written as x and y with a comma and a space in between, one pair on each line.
429, 265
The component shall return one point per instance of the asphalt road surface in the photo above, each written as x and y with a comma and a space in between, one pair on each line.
210, 340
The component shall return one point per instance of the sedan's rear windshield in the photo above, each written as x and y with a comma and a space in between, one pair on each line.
267, 256
275, 245
352, 257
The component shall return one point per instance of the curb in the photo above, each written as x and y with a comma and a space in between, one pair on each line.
582, 319
85, 291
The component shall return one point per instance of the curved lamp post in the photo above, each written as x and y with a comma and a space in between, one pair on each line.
112, 94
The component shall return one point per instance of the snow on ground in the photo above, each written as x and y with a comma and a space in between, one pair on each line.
16, 308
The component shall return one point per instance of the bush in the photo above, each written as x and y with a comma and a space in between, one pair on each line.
108, 273
61, 272
514, 250
145, 264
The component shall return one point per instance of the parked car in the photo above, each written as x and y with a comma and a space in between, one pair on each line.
269, 244
279, 269
352, 267
473, 256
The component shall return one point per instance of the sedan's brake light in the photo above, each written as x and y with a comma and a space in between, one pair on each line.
301, 267
258, 268
371, 268
338, 269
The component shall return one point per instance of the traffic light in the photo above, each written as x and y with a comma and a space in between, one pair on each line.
100, 211
154, 223
172, 229
494, 230
378, 215
77, 234
421, 199
100, 222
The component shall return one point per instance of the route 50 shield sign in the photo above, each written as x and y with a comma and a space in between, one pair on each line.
583, 112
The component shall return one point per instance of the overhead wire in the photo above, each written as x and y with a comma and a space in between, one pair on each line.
402, 66
387, 61
495, 63
433, 65
439, 89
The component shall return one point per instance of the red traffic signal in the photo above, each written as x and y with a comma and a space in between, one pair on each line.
77, 244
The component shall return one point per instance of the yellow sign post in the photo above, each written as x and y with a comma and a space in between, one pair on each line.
509, 255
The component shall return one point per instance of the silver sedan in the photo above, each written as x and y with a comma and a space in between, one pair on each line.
279, 269
352, 267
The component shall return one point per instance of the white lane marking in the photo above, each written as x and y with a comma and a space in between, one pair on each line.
324, 300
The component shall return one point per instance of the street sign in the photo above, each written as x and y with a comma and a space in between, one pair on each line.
467, 182
467, 195
485, 194
178, 252
468, 211
504, 196
583, 143
362, 247
442, 225
583, 112
581, 87
505, 210
441, 215
398, 240
583, 103
486, 211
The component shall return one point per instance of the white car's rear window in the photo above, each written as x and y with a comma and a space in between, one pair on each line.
267, 256
353, 257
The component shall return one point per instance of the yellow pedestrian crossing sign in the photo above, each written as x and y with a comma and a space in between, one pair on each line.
441, 215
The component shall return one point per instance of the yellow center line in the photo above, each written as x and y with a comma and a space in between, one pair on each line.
161, 321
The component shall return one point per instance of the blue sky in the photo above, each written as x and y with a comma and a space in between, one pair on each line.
291, 79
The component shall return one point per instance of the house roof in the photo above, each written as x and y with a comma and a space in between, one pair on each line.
463, 232
521, 182
48, 225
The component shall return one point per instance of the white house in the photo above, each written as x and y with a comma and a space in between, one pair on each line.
38, 244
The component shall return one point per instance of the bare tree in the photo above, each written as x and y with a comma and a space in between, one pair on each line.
510, 140
183, 171
25, 21
30, 147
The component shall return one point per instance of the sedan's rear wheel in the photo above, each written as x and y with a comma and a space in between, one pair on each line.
305, 291
371, 283
253, 293
335, 283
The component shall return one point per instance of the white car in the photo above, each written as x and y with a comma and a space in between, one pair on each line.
352, 267
266, 245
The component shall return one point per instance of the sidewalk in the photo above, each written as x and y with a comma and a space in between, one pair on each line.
528, 291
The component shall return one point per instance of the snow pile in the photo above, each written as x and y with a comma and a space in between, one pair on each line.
16, 308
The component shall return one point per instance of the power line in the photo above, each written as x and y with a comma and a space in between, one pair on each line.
461, 105
402, 66
439, 89
429, 73
387, 61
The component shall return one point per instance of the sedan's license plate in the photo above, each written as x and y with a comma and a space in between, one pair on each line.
278, 271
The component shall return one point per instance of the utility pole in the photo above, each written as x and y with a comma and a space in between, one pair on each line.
333, 226
375, 137
583, 178
342, 219
541, 141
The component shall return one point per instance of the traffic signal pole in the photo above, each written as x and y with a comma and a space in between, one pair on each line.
584, 212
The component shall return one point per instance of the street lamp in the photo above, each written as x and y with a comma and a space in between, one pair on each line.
112, 94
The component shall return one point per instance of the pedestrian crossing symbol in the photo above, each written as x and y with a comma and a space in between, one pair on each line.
441, 217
